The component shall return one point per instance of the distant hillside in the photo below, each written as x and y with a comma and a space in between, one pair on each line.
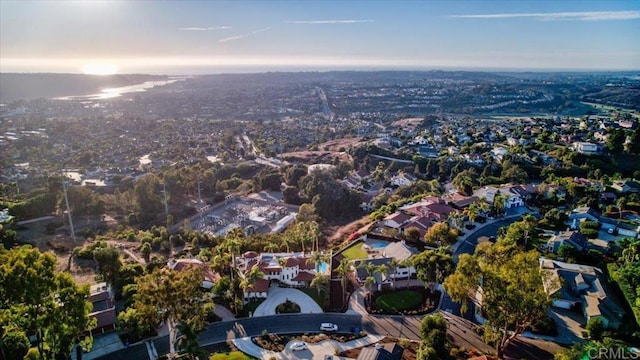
34, 86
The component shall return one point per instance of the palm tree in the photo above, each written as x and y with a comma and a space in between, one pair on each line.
368, 282
454, 219
621, 203
285, 241
233, 242
320, 281
318, 258
395, 264
383, 270
250, 278
343, 270
271, 247
254, 274
472, 212
498, 203
483, 206
314, 233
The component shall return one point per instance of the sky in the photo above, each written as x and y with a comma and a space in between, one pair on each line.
192, 37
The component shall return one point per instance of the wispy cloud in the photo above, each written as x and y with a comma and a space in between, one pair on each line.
580, 16
231, 38
204, 28
349, 21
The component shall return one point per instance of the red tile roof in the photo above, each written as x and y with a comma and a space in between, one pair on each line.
292, 262
307, 264
303, 276
262, 285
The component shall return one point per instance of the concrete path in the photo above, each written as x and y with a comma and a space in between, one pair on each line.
279, 295
314, 351
356, 302
224, 313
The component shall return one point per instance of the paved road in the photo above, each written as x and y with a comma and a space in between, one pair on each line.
470, 243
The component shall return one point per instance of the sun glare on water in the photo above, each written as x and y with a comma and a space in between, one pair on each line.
100, 69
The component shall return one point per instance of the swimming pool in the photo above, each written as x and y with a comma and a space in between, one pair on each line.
322, 268
378, 244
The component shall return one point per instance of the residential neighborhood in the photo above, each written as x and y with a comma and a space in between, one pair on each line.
319, 224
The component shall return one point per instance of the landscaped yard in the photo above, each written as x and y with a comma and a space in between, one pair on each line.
313, 293
355, 252
399, 300
250, 307
288, 307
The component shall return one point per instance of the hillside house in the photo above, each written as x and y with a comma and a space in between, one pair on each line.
575, 286
572, 238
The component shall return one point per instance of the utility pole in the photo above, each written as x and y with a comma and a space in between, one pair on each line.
66, 200
166, 205
199, 195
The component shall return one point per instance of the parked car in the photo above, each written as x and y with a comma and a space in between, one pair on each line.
297, 346
328, 327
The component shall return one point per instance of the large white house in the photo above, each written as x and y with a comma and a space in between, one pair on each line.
585, 147
512, 198
293, 269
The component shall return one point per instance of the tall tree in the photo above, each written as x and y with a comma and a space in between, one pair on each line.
109, 264
173, 297
343, 270
440, 234
320, 282
433, 331
621, 203
433, 266
472, 212
43, 302
394, 264
509, 282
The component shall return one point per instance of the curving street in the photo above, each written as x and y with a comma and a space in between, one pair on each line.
460, 330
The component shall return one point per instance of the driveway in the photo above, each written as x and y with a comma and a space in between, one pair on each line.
278, 295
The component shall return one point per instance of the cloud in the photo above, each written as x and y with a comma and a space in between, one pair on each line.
204, 28
581, 16
245, 35
350, 21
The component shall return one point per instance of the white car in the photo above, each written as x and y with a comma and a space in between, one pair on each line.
297, 346
328, 327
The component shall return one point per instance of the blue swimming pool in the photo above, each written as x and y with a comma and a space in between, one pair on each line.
323, 267
378, 244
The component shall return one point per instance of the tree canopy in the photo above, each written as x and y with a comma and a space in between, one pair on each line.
36, 300
507, 282
173, 297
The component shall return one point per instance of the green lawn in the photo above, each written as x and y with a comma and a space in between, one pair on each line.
250, 307
399, 300
355, 252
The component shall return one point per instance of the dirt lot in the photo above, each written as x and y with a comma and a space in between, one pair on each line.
337, 144
340, 232
60, 243
311, 157
408, 123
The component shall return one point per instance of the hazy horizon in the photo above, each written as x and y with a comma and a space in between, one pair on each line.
201, 37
